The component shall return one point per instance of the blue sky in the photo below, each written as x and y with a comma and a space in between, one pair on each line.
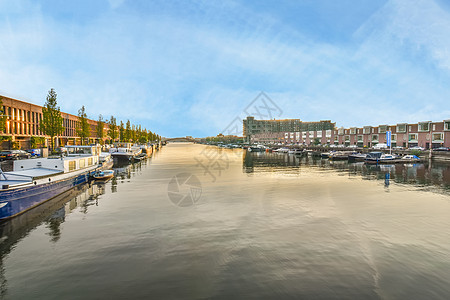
191, 67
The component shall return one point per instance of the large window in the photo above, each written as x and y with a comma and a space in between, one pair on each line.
328, 133
438, 137
72, 165
424, 126
383, 128
412, 137
360, 138
319, 134
375, 138
367, 130
353, 130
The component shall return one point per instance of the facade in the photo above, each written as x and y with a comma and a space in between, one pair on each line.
424, 134
270, 128
23, 123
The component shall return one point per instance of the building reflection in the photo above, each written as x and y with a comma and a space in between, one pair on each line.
420, 174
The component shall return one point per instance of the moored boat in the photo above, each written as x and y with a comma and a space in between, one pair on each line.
380, 158
124, 151
410, 158
103, 175
296, 151
35, 181
354, 157
340, 155
258, 148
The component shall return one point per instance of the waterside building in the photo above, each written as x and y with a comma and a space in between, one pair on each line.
22, 123
425, 134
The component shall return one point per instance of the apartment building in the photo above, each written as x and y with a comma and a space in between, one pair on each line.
23, 120
256, 128
425, 134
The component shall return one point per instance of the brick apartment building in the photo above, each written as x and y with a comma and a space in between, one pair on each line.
425, 134
23, 122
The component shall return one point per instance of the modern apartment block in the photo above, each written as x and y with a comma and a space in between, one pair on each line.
424, 134
270, 128
23, 122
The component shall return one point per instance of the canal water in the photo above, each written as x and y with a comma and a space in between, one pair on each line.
198, 222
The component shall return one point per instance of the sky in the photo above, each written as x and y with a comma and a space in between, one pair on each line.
184, 67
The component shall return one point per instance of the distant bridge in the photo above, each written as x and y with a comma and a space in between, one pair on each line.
179, 139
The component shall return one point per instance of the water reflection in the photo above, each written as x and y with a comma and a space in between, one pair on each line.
52, 214
419, 174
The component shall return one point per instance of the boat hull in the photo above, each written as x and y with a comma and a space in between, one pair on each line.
18, 200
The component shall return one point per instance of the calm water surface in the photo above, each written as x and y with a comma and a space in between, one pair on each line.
260, 226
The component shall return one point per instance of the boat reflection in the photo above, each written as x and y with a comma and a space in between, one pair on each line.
52, 214
420, 174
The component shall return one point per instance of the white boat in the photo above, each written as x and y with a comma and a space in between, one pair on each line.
410, 158
124, 151
380, 158
105, 160
282, 150
296, 151
34, 181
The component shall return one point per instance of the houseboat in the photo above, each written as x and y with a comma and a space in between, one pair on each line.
34, 181
124, 151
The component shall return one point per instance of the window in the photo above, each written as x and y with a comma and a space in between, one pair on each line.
434, 127
72, 165
393, 137
367, 130
383, 128
347, 138
328, 133
374, 137
82, 163
447, 125
438, 137
353, 130
360, 138
412, 137
341, 131
425, 126
90, 161
319, 134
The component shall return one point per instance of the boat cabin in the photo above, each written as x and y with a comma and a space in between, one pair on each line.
78, 157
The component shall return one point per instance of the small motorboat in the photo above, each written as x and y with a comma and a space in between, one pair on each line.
410, 158
357, 157
103, 175
380, 158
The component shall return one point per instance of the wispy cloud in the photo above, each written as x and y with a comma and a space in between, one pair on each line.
184, 68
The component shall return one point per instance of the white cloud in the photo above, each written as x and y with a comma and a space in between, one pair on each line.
180, 75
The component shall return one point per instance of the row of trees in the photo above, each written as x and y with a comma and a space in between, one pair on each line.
52, 125
127, 132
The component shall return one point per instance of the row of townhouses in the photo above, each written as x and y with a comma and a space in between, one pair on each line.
424, 134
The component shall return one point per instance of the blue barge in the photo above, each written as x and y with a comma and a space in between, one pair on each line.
34, 181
